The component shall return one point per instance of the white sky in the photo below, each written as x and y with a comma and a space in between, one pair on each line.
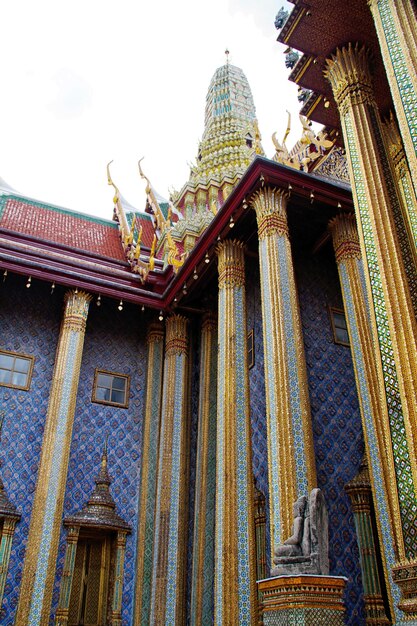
88, 81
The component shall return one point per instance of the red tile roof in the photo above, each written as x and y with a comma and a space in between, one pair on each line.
61, 226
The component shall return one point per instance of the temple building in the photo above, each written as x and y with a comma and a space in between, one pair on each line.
207, 406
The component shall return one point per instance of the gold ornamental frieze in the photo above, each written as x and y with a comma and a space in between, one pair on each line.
348, 73
231, 259
176, 336
345, 237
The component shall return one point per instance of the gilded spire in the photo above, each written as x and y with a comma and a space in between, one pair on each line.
100, 509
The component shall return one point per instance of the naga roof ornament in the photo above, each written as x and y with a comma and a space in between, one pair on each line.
131, 234
308, 148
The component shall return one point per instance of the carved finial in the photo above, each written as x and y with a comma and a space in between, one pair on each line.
148, 183
227, 56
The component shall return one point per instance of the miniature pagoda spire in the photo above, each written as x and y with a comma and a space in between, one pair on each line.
100, 509
230, 142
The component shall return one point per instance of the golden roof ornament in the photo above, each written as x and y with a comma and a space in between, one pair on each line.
308, 148
130, 235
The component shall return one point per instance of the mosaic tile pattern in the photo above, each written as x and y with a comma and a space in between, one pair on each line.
210, 490
378, 480
337, 431
401, 456
195, 380
257, 389
50, 517
403, 238
29, 322
402, 76
123, 351
242, 437
174, 521
303, 617
147, 546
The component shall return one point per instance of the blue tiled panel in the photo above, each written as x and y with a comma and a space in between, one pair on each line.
195, 381
29, 323
257, 386
337, 430
114, 341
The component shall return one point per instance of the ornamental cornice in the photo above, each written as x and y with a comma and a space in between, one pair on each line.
348, 72
231, 263
345, 237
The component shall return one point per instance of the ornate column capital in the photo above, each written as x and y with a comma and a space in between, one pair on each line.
348, 73
177, 336
345, 237
231, 259
76, 310
155, 333
270, 205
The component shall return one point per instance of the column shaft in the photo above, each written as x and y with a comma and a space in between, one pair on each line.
359, 491
150, 439
5, 549
235, 600
45, 525
169, 559
371, 394
205, 490
61, 618
290, 442
116, 604
390, 288
396, 27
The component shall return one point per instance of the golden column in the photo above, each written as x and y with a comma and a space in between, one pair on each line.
390, 289
291, 463
150, 438
202, 589
403, 177
235, 599
396, 26
171, 524
360, 494
369, 382
46, 519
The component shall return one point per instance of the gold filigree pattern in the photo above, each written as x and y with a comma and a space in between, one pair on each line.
345, 237
270, 205
348, 73
231, 260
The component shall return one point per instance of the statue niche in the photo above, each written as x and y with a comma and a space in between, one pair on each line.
307, 550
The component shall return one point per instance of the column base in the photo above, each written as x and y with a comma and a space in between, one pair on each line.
302, 600
405, 575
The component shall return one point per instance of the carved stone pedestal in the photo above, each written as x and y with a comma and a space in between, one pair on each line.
302, 600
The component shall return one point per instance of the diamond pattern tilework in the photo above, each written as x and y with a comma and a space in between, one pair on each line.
114, 341
195, 381
29, 322
337, 430
257, 388
400, 449
402, 76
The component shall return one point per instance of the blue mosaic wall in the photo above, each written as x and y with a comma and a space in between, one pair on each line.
114, 341
257, 387
29, 323
337, 430
195, 331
